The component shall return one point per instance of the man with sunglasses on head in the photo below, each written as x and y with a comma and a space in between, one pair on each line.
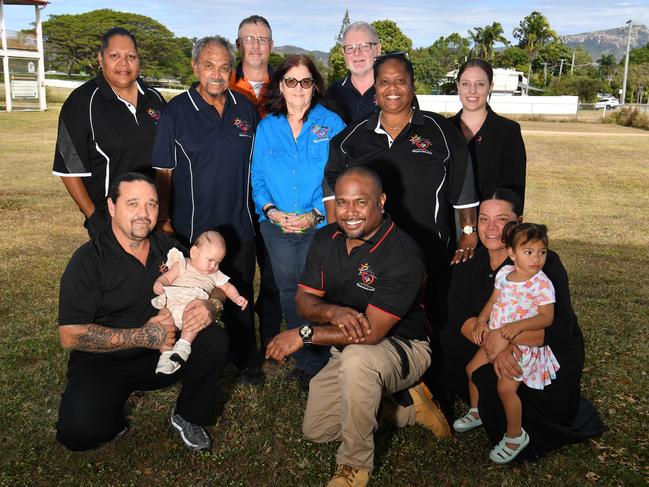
354, 94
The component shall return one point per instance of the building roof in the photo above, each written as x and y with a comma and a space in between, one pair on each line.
26, 2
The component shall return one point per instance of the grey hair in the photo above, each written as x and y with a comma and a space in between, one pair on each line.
200, 44
360, 25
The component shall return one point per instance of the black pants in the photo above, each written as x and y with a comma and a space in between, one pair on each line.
92, 405
239, 265
268, 306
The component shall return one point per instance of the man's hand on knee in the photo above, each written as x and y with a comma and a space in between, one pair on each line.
354, 325
286, 343
197, 316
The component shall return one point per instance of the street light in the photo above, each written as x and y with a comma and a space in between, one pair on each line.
626, 63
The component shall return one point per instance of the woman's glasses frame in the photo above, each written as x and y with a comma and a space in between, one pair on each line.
305, 83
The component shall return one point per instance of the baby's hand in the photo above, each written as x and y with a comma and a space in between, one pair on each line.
241, 301
158, 288
479, 329
509, 332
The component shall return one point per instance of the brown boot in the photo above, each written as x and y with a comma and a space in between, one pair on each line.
347, 476
427, 411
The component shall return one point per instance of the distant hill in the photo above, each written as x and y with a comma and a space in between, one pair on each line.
611, 41
321, 56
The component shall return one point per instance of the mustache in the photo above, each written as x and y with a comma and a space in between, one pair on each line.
141, 220
218, 81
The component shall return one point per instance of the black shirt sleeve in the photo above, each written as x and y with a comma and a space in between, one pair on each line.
80, 289
565, 320
336, 164
399, 285
313, 274
514, 161
72, 155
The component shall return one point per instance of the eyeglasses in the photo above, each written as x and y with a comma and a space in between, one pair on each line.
305, 83
263, 41
363, 47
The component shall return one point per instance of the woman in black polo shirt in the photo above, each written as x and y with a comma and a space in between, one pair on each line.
106, 128
555, 416
495, 142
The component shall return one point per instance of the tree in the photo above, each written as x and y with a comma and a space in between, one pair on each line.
343, 28
607, 63
512, 58
391, 37
449, 52
484, 39
639, 55
584, 87
72, 42
427, 70
533, 32
337, 68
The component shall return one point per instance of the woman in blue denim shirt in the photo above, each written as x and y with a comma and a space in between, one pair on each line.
290, 152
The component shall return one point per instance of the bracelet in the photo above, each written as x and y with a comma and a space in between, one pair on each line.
268, 209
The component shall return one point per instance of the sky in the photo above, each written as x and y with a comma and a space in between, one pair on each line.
314, 25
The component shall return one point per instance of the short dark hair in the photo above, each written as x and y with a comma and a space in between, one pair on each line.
364, 172
400, 56
275, 102
116, 31
476, 63
511, 197
255, 19
515, 234
129, 177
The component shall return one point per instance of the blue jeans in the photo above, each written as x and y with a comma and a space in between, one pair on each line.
288, 253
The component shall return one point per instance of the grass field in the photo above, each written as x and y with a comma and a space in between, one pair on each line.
591, 190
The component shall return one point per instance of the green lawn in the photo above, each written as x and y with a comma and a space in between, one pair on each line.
591, 190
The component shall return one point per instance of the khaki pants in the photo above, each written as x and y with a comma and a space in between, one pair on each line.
345, 396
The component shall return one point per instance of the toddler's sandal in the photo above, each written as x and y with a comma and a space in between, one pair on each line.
502, 454
467, 422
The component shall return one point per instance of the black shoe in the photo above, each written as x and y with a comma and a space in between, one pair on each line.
194, 436
253, 376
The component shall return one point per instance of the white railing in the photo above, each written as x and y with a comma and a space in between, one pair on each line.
525, 105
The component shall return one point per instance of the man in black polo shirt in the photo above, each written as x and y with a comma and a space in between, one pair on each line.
106, 318
106, 128
361, 286
202, 156
354, 94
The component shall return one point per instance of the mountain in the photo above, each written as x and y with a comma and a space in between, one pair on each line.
611, 41
321, 56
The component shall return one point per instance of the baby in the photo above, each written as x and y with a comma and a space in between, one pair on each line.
186, 280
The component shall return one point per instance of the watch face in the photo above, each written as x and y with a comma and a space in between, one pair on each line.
306, 331
467, 229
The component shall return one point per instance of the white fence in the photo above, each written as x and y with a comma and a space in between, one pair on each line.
526, 105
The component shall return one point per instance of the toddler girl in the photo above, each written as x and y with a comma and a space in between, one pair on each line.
523, 299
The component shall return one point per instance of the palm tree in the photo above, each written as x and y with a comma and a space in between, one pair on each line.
477, 37
484, 39
533, 32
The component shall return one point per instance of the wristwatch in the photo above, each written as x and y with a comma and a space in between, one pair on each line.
318, 217
468, 229
306, 333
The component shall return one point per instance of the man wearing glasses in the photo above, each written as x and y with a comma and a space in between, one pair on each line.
202, 160
354, 94
251, 78
252, 75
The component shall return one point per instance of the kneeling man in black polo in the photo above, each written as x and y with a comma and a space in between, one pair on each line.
106, 318
361, 287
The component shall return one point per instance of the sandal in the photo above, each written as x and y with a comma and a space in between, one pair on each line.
502, 454
467, 422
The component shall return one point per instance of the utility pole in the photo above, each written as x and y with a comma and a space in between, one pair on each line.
545, 73
572, 66
626, 63
561, 67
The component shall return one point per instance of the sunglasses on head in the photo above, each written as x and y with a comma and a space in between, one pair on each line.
305, 83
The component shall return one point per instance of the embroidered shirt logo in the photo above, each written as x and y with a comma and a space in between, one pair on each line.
422, 145
243, 126
367, 277
321, 132
154, 114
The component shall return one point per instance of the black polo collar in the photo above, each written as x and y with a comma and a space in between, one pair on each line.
199, 102
373, 120
107, 92
386, 227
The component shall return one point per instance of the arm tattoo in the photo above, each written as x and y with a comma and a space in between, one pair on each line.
97, 338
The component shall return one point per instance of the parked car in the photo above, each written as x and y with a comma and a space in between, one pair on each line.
607, 103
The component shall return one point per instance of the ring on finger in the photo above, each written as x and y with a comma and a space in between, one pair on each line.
460, 250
